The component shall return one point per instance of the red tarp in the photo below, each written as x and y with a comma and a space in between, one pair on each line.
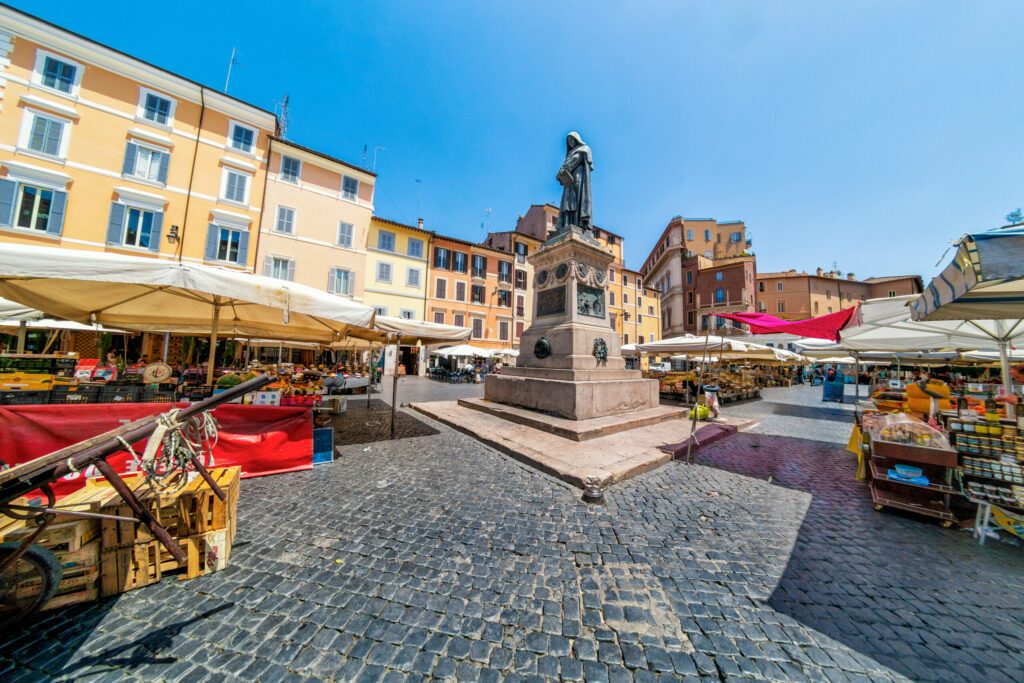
822, 327
260, 439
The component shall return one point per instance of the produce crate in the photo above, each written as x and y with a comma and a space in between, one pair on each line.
22, 398
26, 381
143, 564
61, 536
80, 580
119, 393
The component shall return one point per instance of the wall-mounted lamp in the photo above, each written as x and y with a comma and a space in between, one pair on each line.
172, 236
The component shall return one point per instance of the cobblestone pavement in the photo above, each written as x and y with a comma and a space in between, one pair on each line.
435, 557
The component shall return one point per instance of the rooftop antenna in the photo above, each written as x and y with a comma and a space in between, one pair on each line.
483, 223
376, 148
284, 118
231, 63
364, 156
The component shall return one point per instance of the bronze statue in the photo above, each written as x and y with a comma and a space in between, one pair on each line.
574, 175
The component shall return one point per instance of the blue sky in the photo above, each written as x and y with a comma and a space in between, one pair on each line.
867, 134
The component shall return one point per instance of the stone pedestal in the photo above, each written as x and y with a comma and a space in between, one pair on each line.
570, 363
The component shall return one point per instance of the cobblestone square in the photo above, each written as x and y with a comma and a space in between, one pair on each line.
434, 557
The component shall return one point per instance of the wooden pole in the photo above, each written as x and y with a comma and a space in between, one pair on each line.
394, 389
213, 343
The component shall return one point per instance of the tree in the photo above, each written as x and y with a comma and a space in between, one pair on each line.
1014, 217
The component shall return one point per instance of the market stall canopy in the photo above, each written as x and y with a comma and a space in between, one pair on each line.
464, 351
51, 324
823, 327
628, 350
386, 329
154, 295
726, 348
11, 311
985, 280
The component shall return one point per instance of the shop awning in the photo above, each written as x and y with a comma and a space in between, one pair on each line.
823, 327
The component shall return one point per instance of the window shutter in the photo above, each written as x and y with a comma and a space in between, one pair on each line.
7, 188
55, 225
165, 162
116, 224
331, 280
131, 151
291, 271
268, 265
212, 237
243, 247
229, 191
158, 224
54, 131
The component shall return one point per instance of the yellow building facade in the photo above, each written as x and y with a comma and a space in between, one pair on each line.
396, 269
316, 220
101, 151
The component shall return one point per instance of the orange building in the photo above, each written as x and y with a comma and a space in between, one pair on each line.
474, 286
521, 246
794, 295
102, 151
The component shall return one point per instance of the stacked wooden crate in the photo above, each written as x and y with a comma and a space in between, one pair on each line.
107, 557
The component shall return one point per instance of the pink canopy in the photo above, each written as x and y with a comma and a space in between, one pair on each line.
822, 327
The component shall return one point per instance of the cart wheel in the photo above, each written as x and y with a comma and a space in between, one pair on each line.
51, 501
878, 508
27, 584
946, 524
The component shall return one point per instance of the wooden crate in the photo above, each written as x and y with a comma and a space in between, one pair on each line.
195, 509
62, 536
79, 580
143, 564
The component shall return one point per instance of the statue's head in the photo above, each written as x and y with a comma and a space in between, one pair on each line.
572, 141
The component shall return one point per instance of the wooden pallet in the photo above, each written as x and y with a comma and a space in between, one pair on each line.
143, 564
79, 579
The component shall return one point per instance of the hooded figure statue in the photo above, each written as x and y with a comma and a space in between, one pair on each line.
574, 175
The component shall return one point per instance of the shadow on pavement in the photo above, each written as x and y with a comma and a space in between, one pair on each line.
927, 602
359, 424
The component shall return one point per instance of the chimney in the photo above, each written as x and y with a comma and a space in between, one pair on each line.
419, 223
819, 272
851, 277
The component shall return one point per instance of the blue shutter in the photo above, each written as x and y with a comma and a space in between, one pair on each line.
331, 280
55, 223
116, 223
54, 132
154, 235
7, 188
212, 237
130, 152
165, 161
243, 247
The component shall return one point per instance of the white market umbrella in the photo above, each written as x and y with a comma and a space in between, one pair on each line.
148, 294
727, 348
465, 351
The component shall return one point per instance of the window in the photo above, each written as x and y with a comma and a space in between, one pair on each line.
689, 277
479, 266
477, 294
459, 262
780, 307
383, 271
521, 250
279, 268
689, 319
235, 187
829, 309
520, 328
639, 317
760, 286
639, 301
719, 276
503, 330
761, 307
439, 317
349, 188
414, 247
45, 134
459, 320
734, 237
407, 313
380, 310
478, 328
340, 281
386, 240
779, 286
520, 279
892, 293
134, 227
650, 310
611, 298
345, 231
816, 308
641, 339
625, 298
412, 277
504, 271
707, 235
719, 296
504, 298
520, 305
31, 207
147, 163
227, 243
441, 289
611, 275
155, 108
460, 291
442, 258
58, 73
285, 220
291, 169
689, 297
612, 319
241, 137
707, 254
625, 281
828, 294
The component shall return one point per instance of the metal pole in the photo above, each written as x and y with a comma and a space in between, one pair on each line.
1004, 366
213, 343
22, 334
167, 344
856, 376
373, 372
394, 389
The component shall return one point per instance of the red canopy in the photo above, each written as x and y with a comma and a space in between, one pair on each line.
822, 327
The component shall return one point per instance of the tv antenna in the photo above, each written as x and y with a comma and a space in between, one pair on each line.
376, 148
231, 62
483, 223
